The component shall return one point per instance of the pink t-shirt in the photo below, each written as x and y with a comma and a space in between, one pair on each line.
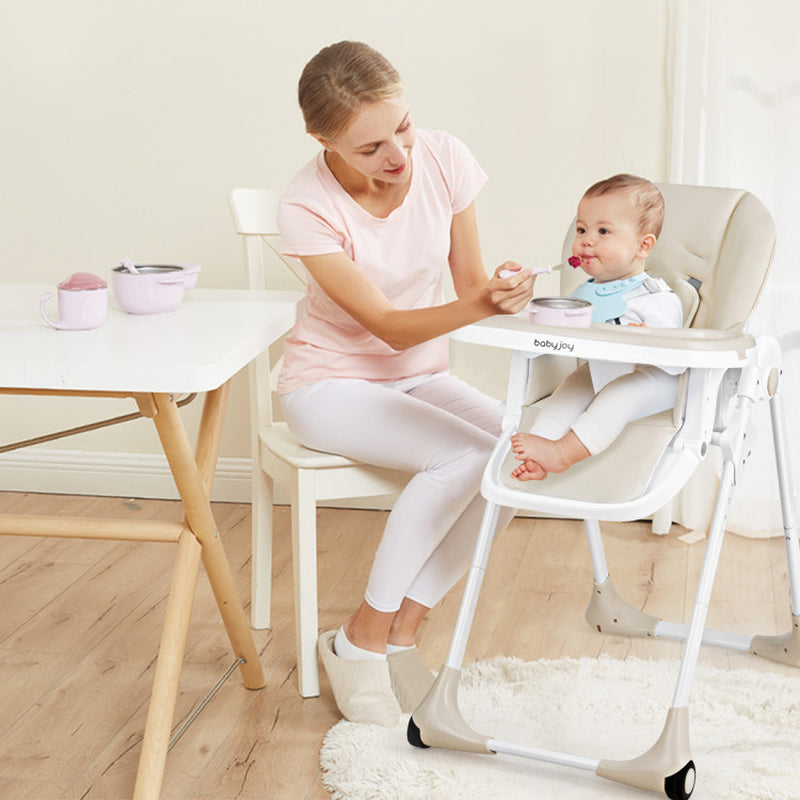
404, 254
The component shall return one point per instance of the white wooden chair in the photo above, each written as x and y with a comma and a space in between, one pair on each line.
309, 476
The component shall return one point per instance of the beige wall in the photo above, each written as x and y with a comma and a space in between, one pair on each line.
125, 125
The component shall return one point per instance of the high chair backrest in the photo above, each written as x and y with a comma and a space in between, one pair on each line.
706, 245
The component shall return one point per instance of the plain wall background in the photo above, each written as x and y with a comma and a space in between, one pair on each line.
125, 126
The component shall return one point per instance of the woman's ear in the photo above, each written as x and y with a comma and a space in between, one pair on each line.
323, 141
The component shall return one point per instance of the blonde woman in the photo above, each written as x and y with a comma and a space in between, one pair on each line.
376, 217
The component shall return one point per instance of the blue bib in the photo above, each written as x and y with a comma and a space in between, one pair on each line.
607, 298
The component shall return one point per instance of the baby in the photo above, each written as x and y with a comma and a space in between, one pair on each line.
619, 220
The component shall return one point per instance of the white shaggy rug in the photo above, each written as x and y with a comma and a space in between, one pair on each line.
744, 733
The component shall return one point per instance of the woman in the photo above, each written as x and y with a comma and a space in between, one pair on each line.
375, 218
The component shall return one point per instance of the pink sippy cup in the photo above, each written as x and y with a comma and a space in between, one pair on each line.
82, 303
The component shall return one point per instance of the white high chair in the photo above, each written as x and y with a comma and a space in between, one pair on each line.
309, 475
719, 242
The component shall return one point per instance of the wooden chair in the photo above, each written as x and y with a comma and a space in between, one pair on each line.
310, 477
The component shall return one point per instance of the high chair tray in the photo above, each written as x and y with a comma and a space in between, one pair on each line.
673, 347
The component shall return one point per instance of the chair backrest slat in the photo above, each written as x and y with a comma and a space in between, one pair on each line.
254, 214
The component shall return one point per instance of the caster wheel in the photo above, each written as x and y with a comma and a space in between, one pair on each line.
681, 785
412, 733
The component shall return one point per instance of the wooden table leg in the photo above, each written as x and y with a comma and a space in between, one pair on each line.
191, 480
161, 711
209, 434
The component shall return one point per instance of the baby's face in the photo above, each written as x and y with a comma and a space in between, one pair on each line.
607, 238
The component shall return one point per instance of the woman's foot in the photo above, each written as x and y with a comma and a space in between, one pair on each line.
411, 678
362, 687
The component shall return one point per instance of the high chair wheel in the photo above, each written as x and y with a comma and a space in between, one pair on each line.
681, 785
412, 734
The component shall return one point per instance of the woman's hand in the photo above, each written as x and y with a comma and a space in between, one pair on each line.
510, 289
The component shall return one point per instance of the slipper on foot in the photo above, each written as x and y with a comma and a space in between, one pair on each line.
362, 688
411, 678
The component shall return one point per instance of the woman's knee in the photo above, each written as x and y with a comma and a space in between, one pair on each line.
470, 460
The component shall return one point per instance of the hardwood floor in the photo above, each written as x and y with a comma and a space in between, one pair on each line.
81, 622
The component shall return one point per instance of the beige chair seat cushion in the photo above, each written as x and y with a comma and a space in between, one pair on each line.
619, 474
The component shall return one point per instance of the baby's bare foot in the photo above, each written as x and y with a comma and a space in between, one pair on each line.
549, 455
544, 452
529, 471
524, 446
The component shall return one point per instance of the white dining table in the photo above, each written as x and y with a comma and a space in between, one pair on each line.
154, 360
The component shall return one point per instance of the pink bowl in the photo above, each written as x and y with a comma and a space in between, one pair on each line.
153, 289
565, 311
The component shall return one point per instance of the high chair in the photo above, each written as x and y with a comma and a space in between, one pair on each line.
308, 475
715, 249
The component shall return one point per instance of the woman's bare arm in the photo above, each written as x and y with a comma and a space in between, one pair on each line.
478, 297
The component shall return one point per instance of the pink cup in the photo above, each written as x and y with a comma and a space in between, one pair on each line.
82, 303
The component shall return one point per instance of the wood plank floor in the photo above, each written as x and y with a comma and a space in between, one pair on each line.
81, 622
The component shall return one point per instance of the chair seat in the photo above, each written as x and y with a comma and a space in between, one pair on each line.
619, 474
282, 442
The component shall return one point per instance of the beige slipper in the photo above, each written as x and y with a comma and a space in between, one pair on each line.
362, 688
411, 679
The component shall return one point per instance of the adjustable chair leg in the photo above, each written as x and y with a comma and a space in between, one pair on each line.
784, 648
437, 722
667, 766
662, 520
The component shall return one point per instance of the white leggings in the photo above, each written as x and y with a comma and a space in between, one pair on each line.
597, 419
439, 429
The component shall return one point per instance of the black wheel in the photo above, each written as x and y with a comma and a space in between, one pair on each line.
412, 733
681, 785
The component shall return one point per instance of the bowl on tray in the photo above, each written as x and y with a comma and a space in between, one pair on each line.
565, 311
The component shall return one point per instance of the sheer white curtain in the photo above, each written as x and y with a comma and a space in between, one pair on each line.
735, 114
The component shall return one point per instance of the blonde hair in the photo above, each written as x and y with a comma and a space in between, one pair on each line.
646, 197
338, 81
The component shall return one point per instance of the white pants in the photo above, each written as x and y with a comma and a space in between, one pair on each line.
441, 431
597, 419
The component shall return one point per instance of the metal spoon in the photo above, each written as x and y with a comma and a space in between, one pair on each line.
573, 261
128, 264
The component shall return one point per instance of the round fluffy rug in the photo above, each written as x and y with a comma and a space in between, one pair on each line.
745, 734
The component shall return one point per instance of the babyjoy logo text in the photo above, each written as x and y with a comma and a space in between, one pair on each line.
556, 345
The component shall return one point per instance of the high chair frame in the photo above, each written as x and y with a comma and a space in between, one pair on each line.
728, 371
